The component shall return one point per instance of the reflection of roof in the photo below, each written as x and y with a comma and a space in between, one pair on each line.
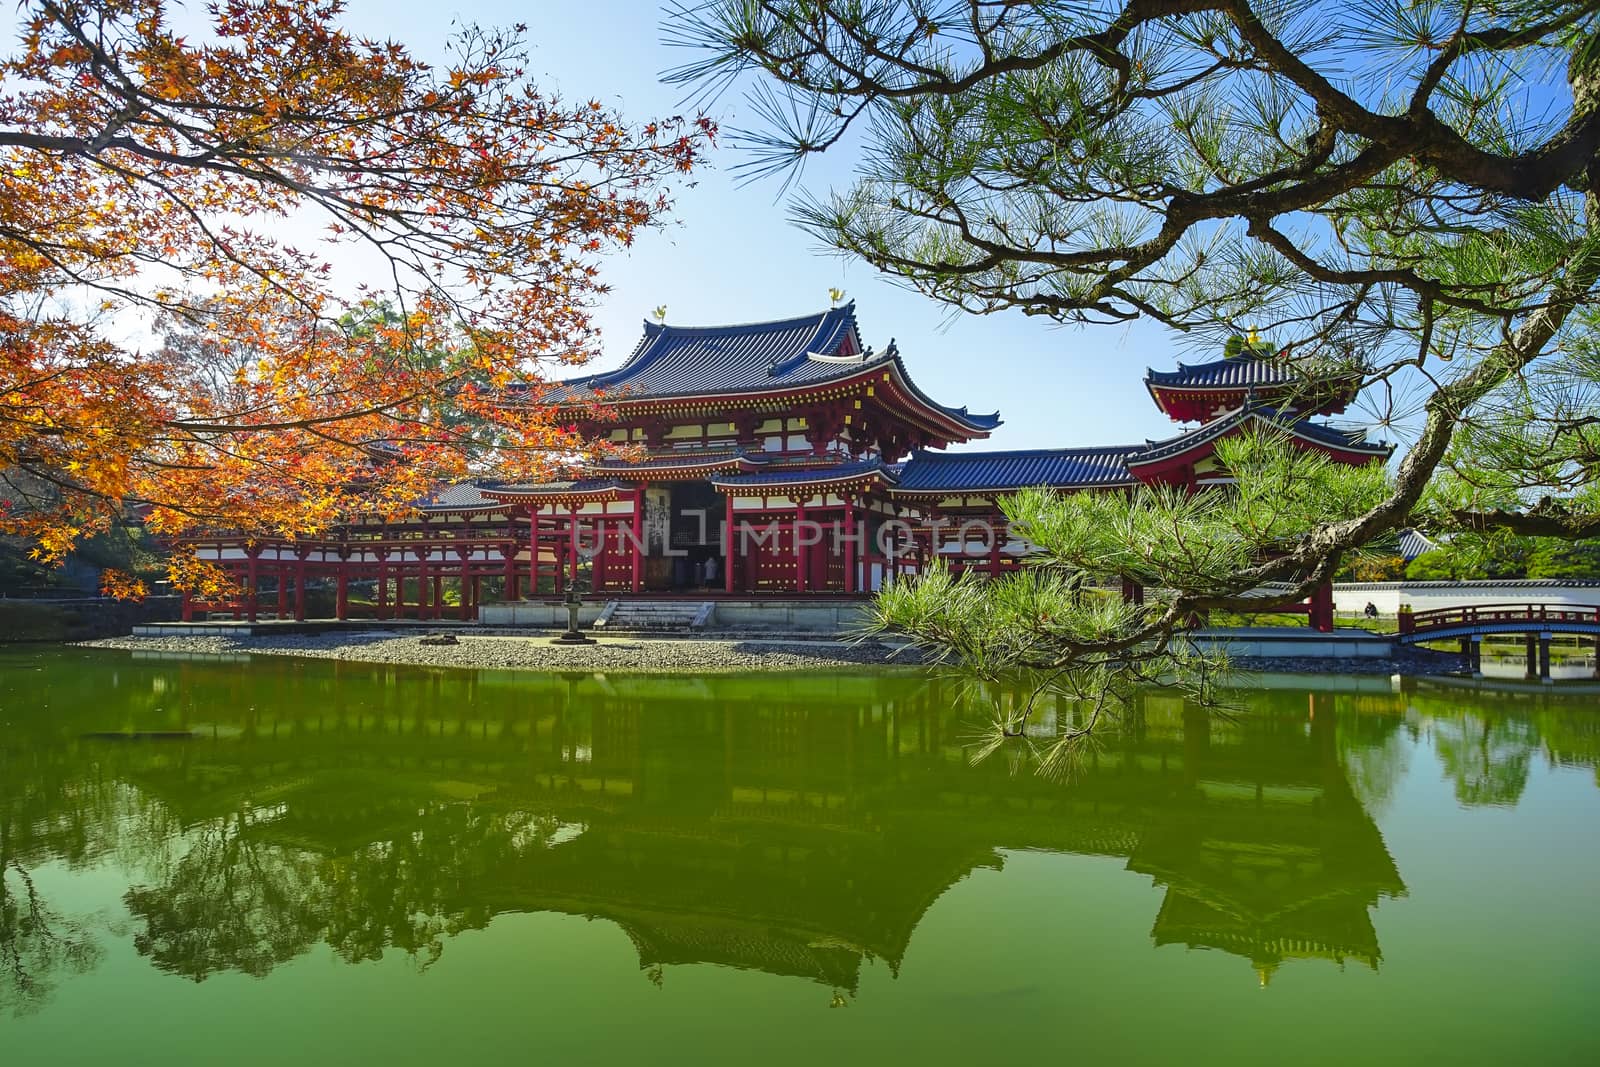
668, 939
760, 357
1337, 930
1062, 468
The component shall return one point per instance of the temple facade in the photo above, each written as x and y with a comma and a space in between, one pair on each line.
782, 458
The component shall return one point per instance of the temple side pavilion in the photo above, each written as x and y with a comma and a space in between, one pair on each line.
778, 458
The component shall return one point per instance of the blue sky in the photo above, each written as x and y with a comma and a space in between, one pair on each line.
731, 255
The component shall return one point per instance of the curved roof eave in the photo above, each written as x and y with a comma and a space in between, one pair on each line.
983, 424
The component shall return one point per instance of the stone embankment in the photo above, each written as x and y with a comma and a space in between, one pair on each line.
1410, 661
520, 652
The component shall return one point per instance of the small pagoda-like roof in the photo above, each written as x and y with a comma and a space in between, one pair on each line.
572, 489
1192, 393
1236, 372
697, 463
462, 497
754, 359
856, 474
935, 473
1349, 446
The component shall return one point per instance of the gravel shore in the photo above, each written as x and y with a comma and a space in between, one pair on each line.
687, 655
519, 652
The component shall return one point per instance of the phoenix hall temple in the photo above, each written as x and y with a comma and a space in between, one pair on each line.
780, 459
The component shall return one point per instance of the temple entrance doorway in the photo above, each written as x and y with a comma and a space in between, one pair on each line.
694, 529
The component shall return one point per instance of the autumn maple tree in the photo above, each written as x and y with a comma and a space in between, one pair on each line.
264, 274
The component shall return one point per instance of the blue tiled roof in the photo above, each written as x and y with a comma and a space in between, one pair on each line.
794, 475
1353, 440
1413, 544
1332, 435
673, 361
464, 496
699, 360
1243, 372
928, 472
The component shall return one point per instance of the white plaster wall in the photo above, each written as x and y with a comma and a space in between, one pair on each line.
1428, 596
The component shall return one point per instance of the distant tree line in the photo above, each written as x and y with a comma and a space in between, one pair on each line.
1510, 558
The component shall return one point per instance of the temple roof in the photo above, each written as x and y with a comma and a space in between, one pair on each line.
694, 360
759, 357
1275, 419
935, 472
698, 460
679, 458
1414, 543
848, 472
1190, 392
464, 496
566, 488
1238, 372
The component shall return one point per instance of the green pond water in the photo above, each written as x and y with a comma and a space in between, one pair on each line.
354, 864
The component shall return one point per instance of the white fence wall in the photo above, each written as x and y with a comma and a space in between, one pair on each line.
1426, 596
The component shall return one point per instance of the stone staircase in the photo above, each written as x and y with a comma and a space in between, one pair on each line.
654, 615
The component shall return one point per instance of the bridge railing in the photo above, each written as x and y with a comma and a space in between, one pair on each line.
1486, 614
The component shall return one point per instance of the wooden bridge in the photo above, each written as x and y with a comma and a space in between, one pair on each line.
1470, 624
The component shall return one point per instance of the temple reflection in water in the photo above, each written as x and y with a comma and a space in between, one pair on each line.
795, 825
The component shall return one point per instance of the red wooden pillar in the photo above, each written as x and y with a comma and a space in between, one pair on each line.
187, 614
727, 546
477, 593
850, 544
422, 585
283, 590
300, 589
892, 550
572, 544
1132, 592
341, 596
558, 555
400, 587
383, 584
534, 551
465, 611
1322, 608
799, 549
510, 592
638, 538
994, 547
251, 583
